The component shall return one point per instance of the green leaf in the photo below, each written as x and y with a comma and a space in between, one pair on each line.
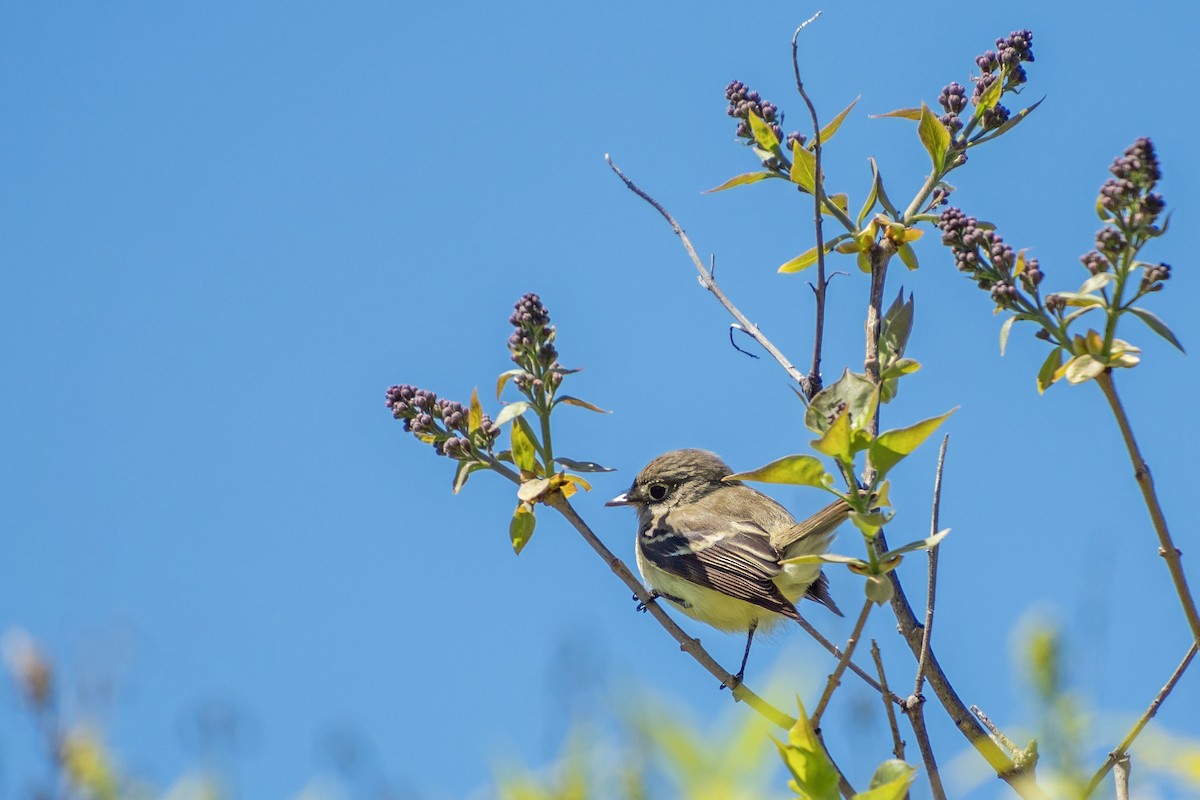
583, 466
1097, 282
837, 441
852, 390
742, 180
809, 257
829, 130
896, 327
575, 401
804, 168
921, 544
891, 781
827, 558
872, 196
1004, 329
1046, 375
475, 414
463, 471
504, 378
1083, 368
1155, 324
989, 98
891, 446
764, 137
935, 137
521, 528
813, 774
524, 447
899, 368
532, 490
840, 200
908, 256
903, 113
1077, 299
879, 590
803, 470
1009, 124
512, 411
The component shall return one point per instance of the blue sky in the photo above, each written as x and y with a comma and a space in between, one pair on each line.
229, 227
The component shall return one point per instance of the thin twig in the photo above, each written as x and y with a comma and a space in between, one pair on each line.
709, 282
1141, 473
1121, 777
897, 742
997, 734
814, 372
686, 643
931, 589
835, 678
1123, 748
914, 709
891, 697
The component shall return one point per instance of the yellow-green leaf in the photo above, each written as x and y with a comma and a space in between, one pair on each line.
524, 449
764, 137
902, 113
891, 781
829, 130
742, 180
989, 98
891, 446
512, 411
1155, 324
934, 136
804, 168
1083, 368
813, 774
520, 529
799, 469
1048, 373
475, 414
837, 441
575, 401
908, 256
504, 378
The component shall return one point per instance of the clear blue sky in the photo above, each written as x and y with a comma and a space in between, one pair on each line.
228, 227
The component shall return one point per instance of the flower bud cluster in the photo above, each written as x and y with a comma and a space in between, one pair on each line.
1002, 64
443, 423
1153, 276
532, 341
985, 257
742, 101
1129, 194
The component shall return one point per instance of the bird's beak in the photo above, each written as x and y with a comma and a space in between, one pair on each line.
620, 500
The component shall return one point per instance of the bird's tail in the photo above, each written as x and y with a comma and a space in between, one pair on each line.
813, 534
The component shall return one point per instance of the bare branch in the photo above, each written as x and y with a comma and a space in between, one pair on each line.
931, 589
1141, 472
709, 282
914, 709
897, 742
814, 371
1123, 748
835, 678
686, 643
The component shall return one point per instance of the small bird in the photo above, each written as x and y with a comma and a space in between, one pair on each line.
712, 547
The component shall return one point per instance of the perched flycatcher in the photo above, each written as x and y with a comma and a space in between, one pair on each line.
712, 548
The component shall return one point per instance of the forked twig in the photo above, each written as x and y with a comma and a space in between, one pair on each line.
709, 282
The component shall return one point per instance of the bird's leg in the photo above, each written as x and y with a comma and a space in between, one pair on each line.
655, 594
737, 679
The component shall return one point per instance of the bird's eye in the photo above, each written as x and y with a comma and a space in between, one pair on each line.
657, 491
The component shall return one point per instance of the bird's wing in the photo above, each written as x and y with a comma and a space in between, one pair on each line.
733, 557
